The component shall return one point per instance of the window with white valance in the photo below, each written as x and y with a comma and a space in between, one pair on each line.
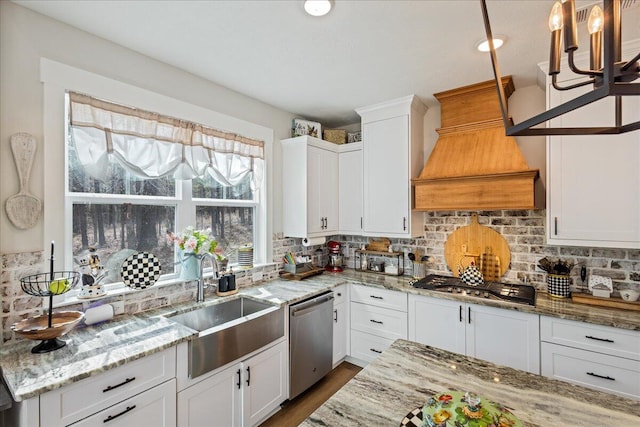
151, 145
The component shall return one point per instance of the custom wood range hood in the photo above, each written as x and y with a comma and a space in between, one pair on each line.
474, 165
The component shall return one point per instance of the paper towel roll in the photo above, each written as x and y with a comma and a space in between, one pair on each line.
98, 314
314, 241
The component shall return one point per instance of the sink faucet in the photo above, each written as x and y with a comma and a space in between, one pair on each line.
200, 294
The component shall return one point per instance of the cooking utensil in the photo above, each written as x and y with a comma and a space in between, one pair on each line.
23, 209
470, 240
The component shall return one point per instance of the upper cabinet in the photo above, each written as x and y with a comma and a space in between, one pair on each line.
393, 141
350, 188
593, 180
310, 187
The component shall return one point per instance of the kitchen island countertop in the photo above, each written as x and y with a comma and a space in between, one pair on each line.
407, 374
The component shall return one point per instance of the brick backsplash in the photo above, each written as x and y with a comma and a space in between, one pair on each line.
522, 229
17, 305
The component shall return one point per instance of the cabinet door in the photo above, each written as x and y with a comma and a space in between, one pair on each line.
386, 176
593, 180
264, 387
339, 332
503, 337
322, 191
437, 323
216, 401
350, 191
154, 407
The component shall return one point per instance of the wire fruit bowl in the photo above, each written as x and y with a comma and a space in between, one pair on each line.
41, 284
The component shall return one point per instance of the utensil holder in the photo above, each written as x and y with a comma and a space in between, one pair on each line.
558, 286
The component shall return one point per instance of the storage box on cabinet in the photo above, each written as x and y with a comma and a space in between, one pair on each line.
81, 399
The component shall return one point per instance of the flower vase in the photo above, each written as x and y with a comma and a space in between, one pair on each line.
190, 267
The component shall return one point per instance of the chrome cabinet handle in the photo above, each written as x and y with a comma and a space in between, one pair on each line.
601, 376
375, 351
555, 225
113, 417
598, 339
113, 387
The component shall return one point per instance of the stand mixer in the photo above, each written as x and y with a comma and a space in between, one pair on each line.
335, 257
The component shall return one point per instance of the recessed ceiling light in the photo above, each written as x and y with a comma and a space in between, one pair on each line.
483, 45
317, 7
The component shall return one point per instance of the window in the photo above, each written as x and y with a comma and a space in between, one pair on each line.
134, 176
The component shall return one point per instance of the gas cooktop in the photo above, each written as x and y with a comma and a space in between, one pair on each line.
518, 293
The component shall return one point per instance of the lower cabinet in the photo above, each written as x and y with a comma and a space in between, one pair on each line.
154, 407
594, 356
501, 336
243, 394
340, 324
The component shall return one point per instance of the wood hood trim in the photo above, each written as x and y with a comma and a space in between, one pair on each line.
474, 165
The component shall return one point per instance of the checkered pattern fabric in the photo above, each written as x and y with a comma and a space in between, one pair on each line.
413, 419
141, 270
558, 285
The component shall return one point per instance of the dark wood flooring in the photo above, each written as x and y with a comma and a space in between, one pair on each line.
295, 411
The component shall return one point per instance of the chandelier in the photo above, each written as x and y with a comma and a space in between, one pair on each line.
608, 73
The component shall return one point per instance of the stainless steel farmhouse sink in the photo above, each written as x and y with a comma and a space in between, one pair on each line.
229, 330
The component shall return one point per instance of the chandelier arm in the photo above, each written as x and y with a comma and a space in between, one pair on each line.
633, 61
554, 82
577, 70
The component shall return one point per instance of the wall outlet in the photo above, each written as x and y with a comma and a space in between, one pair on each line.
118, 307
257, 276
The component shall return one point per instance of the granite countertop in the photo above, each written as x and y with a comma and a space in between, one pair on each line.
125, 338
407, 374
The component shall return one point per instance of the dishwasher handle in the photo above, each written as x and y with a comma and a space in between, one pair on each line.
306, 306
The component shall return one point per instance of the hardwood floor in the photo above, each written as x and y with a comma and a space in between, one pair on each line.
295, 411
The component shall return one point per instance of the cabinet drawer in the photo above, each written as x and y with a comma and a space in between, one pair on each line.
76, 401
594, 370
379, 297
155, 407
603, 339
367, 347
391, 324
339, 294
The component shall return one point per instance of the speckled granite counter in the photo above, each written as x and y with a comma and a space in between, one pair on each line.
407, 374
101, 347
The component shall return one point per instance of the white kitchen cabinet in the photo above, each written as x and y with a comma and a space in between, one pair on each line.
309, 187
393, 154
99, 394
595, 356
350, 188
505, 337
593, 180
340, 323
216, 401
242, 394
377, 318
154, 407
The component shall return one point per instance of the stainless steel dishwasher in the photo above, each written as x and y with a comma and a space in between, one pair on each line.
310, 342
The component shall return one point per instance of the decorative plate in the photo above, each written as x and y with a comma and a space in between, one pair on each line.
140, 270
460, 409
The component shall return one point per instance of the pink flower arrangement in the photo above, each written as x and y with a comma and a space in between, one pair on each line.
197, 242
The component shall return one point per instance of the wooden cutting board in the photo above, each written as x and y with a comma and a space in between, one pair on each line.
478, 243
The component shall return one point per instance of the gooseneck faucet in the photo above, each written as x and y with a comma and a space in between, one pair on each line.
200, 294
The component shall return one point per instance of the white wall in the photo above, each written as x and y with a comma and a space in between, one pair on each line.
26, 36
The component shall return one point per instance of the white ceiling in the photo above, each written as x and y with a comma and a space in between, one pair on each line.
321, 69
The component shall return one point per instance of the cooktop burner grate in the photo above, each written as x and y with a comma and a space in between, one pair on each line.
518, 293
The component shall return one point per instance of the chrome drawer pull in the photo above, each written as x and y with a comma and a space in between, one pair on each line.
375, 351
376, 321
601, 376
112, 387
598, 339
113, 417
376, 297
